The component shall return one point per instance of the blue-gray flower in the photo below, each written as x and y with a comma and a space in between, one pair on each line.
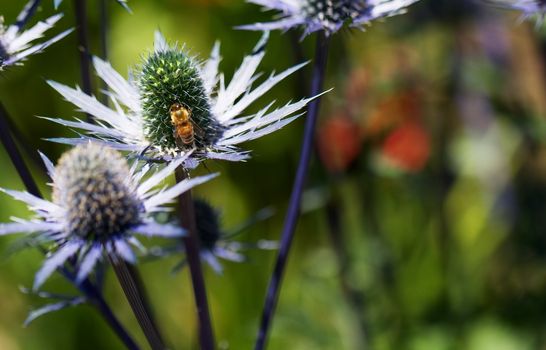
326, 15
99, 204
141, 119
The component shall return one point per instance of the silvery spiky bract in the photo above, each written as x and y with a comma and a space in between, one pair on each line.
528, 8
326, 15
99, 204
140, 122
16, 43
56, 302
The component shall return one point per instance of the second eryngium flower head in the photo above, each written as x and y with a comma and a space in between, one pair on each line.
99, 204
326, 15
178, 104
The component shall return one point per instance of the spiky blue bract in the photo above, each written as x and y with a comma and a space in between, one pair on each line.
171, 76
91, 182
16, 42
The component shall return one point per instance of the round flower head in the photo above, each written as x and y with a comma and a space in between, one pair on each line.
178, 104
177, 111
98, 205
214, 242
15, 44
528, 8
326, 15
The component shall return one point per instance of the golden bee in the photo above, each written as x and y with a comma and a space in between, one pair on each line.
183, 124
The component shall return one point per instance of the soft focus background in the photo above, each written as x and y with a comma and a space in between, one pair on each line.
424, 220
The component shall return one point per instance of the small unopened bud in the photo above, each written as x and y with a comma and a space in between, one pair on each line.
207, 220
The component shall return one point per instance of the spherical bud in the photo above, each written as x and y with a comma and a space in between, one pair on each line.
207, 220
92, 183
176, 108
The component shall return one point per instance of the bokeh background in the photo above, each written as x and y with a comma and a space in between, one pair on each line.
424, 220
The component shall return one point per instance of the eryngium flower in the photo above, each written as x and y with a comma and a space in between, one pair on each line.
528, 8
15, 43
179, 104
214, 242
326, 15
98, 206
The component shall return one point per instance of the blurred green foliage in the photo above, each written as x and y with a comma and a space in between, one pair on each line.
424, 223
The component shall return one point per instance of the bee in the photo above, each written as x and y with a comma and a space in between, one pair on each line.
183, 124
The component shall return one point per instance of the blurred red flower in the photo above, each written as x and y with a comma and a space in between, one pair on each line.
339, 142
407, 147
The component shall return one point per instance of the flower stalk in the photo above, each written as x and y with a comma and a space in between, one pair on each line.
80, 11
319, 69
191, 244
104, 24
128, 280
9, 144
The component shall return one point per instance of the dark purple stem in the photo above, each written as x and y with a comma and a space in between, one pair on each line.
24, 143
191, 243
133, 292
87, 288
15, 156
319, 68
103, 10
80, 9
